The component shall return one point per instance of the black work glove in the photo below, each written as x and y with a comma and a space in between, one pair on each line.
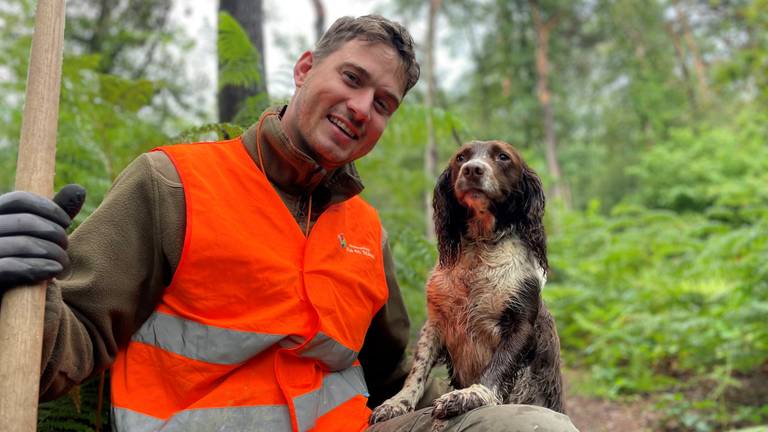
33, 238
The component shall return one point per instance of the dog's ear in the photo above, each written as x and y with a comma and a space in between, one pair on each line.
524, 209
525, 203
532, 226
532, 192
449, 218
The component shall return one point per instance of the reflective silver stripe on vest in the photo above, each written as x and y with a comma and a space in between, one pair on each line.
267, 418
128, 420
202, 342
226, 346
337, 388
322, 347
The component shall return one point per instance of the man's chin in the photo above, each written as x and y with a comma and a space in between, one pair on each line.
330, 158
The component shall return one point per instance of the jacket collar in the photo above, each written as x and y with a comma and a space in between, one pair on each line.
292, 170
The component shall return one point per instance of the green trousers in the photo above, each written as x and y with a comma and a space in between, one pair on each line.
499, 418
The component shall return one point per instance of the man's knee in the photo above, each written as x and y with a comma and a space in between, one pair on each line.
514, 418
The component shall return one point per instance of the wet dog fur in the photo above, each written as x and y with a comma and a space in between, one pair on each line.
486, 318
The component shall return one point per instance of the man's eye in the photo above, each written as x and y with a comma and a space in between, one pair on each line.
382, 106
351, 78
503, 157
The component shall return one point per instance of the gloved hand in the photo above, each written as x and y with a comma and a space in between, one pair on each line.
33, 238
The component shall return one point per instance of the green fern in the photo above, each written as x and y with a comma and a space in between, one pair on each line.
238, 58
251, 109
77, 411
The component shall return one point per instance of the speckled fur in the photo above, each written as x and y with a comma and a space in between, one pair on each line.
486, 319
466, 302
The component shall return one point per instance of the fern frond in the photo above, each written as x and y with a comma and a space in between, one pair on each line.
238, 58
250, 109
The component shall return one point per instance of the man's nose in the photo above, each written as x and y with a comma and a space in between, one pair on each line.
360, 104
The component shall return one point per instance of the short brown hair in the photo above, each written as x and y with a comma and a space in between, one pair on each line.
372, 28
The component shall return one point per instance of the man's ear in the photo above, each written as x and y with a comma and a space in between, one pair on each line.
302, 67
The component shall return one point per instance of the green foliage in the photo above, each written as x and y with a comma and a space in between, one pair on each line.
706, 415
746, 70
76, 411
669, 289
693, 172
238, 58
239, 66
105, 118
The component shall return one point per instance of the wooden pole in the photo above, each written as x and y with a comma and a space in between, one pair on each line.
22, 309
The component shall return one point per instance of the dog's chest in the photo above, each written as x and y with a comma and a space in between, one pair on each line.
466, 302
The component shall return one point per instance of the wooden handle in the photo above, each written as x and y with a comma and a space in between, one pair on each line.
22, 310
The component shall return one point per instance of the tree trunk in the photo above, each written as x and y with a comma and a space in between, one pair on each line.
698, 61
319, 18
249, 14
430, 151
680, 54
543, 30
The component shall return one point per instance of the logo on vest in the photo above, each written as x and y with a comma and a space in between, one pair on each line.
350, 248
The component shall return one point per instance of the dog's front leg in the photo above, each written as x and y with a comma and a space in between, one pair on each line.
427, 349
494, 385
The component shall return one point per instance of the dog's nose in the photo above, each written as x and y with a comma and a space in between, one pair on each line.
471, 170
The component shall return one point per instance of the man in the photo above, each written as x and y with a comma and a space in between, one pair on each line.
242, 285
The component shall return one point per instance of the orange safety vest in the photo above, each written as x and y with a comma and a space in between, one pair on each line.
261, 326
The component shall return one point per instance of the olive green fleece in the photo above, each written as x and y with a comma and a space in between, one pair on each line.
496, 418
125, 254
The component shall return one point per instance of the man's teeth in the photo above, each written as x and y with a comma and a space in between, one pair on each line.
342, 126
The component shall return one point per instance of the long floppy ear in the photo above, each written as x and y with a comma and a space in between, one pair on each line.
533, 215
533, 195
450, 219
524, 209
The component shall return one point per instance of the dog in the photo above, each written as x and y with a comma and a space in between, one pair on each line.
486, 318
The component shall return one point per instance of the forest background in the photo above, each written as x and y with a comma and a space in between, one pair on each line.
646, 119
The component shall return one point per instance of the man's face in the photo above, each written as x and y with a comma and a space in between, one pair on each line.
343, 102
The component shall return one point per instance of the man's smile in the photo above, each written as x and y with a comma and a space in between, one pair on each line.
346, 128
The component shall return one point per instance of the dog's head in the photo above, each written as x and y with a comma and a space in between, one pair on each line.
486, 189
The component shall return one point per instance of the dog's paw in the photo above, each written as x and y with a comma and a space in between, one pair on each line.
390, 409
458, 402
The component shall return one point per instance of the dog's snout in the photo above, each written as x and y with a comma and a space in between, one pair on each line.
472, 169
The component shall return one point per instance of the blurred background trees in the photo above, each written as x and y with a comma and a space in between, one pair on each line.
647, 121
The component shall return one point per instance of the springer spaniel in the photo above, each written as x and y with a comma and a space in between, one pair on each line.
486, 318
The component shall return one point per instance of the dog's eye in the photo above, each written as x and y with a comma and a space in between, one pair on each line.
503, 157
460, 158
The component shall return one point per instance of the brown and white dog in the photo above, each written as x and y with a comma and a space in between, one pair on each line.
486, 318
